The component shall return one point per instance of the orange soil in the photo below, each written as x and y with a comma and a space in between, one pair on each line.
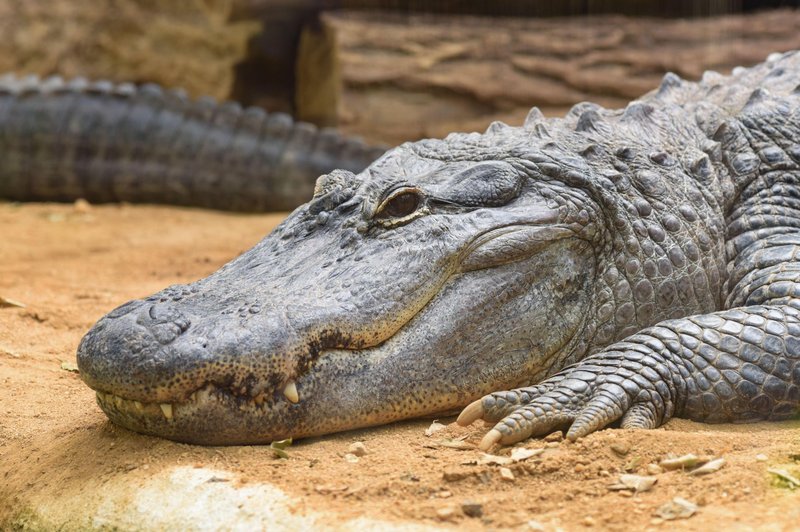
69, 266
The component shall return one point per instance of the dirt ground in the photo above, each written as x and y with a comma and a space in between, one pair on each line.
60, 457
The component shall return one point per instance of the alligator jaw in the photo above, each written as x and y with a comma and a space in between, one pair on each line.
172, 419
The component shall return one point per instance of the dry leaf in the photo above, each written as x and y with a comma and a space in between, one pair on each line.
518, 454
5, 302
434, 428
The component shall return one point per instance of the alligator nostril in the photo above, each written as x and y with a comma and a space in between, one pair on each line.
164, 321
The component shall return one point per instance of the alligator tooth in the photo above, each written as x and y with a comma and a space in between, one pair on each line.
138, 406
291, 392
166, 408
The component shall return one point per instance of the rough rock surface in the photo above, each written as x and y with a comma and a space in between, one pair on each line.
402, 77
175, 43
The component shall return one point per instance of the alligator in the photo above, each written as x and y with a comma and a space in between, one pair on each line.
106, 142
608, 268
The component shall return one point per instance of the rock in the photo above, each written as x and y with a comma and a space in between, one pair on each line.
677, 508
654, 469
351, 458
447, 513
620, 449
554, 437
455, 475
761, 457
401, 77
535, 526
589, 521
357, 448
636, 483
472, 509
506, 474
81, 206
174, 43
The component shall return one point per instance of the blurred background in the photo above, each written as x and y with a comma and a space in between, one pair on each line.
395, 70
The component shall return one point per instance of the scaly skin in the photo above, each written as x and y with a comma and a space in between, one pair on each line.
634, 265
105, 142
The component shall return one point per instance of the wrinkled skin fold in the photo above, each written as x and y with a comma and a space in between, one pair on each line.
608, 267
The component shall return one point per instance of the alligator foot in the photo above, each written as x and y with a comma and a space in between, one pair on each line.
583, 398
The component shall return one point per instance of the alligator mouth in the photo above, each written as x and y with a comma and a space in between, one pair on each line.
205, 395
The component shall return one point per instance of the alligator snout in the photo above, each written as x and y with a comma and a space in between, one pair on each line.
171, 349
138, 336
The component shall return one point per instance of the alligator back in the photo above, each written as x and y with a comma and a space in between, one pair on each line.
107, 142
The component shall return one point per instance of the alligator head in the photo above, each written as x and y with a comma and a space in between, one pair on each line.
446, 270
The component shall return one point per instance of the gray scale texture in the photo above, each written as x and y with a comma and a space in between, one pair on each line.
105, 142
612, 266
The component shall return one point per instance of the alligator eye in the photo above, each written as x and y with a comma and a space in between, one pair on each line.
400, 204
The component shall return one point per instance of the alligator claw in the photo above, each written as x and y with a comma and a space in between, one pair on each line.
579, 399
491, 438
473, 412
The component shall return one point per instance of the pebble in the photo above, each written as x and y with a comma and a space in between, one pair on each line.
444, 494
81, 206
621, 449
446, 514
351, 458
654, 469
536, 526
357, 448
637, 483
589, 521
677, 508
506, 474
472, 509
454, 476
554, 437
761, 457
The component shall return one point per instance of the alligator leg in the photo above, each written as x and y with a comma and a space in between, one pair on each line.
735, 365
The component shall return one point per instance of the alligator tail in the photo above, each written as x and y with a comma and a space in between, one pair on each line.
108, 142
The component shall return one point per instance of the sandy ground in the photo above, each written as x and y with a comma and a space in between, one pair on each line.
62, 464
